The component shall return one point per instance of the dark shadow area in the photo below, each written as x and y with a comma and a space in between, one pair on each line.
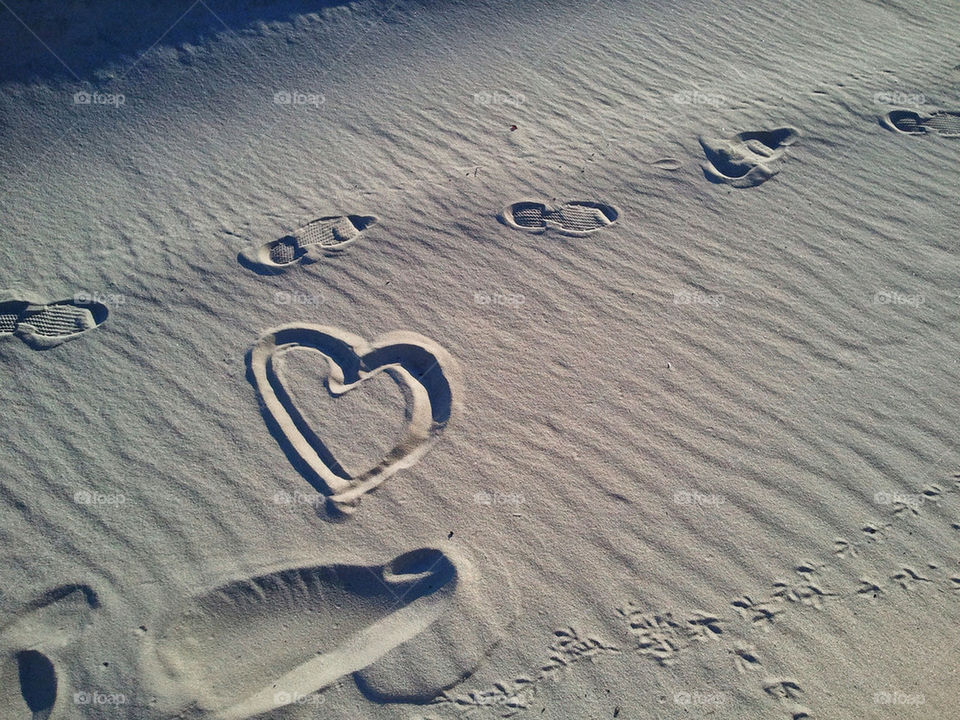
905, 121
773, 139
99, 311
715, 179
942, 122
429, 569
291, 429
362, 222
720, 159
277, 256
524, 215
422, 571
298, 463
302, 424
38, 681
43, 325
261, 268
63, 591
422, 365
412, 698
71, 41
10, 313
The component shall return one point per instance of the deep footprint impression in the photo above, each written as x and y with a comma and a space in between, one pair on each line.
30, 646
578, 218
423, 370
747, 159
42, 324
908, 122
317, 239
252, 645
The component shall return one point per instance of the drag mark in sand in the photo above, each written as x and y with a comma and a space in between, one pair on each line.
253, 645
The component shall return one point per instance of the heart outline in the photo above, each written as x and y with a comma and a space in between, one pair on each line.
425, 372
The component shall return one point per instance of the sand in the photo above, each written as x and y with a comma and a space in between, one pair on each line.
479, 359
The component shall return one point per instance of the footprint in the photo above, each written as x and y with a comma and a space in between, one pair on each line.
31, 646
321, 237
662, 636
747, 159
782, 688
873, 534
869, 589
745, 658
805, 591
43, 325
568, 648
908, 122
842, 548
423, 370
910, 579
38, 682
477, 620
253, 645
758, 612
787, 692
578, 218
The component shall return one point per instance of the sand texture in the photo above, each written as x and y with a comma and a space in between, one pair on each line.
480, 359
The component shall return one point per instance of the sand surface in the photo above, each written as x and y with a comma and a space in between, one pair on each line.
617, 380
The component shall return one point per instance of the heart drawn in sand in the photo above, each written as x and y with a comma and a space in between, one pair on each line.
420, 367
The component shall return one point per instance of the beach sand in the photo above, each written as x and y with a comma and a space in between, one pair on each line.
615, 380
